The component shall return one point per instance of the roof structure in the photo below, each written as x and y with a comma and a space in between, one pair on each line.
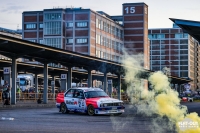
18, 48
189, 26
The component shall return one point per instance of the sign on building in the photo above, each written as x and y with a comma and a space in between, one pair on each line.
6, 70
63, 76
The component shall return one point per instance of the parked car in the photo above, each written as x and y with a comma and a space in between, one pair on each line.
88, 100
189, 98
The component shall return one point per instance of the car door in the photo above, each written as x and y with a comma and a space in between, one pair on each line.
69, 100
79, 95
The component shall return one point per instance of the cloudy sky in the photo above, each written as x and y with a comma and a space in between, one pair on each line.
159, 10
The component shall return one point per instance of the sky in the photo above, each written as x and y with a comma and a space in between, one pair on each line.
158, 16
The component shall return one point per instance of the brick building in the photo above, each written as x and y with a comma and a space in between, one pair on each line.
174, 49
94, 33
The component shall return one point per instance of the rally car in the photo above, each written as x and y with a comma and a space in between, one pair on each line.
88, 100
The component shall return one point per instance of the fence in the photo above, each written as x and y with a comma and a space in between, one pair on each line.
27, 97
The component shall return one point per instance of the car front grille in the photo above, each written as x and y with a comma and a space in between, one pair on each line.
113, 104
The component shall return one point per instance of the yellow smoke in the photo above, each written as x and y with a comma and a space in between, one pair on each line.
161, 100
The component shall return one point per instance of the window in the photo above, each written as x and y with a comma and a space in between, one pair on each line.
98, 39
83, 40
155, 41
81, 24
156, 36
91, 94
155, 62
183, 67
32, 40
70, 40
185, 41
98, 53
104, 26
155, 46
184, 74
183, 51
52, 16
30, 26
162, 62
79, 94
52, 28
155, 68
113, 30
183, 46
184, 57
41, 41
102, 53
97, 23
69, 24
54, 42
41, 26
156, 57
70, 93
183, 62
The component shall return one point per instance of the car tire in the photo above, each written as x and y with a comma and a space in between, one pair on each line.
90, 110
63, 108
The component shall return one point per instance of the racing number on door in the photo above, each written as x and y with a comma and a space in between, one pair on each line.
81, 103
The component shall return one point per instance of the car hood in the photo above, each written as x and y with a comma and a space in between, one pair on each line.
109, 100
104, 100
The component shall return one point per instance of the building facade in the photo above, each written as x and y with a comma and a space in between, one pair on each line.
176, 50
94, 33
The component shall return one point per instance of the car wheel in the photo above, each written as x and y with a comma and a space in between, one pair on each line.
90, 110
63, 108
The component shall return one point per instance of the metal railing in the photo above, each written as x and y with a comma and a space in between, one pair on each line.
27, 97
31, 96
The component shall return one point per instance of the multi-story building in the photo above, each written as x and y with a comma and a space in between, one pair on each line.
174, 49
90, 32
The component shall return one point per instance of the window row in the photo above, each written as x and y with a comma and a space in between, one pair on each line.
105, 55
52, 16
156, 68
54, 42
52, 28
78, 40
34, 40
164, 52
33, 26
172, 41
108, 42
158, 46
109, 28
167, 62
161, 36
182, 57
78, 24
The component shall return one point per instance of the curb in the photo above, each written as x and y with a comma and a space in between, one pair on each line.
28, 106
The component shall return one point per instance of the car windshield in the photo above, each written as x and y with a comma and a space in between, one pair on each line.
22, 82
92, 94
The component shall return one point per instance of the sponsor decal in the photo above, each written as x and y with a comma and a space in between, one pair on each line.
71, 102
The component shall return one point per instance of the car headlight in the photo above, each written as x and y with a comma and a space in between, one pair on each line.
105, 104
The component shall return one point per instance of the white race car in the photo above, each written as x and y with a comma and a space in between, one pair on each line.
88, 100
